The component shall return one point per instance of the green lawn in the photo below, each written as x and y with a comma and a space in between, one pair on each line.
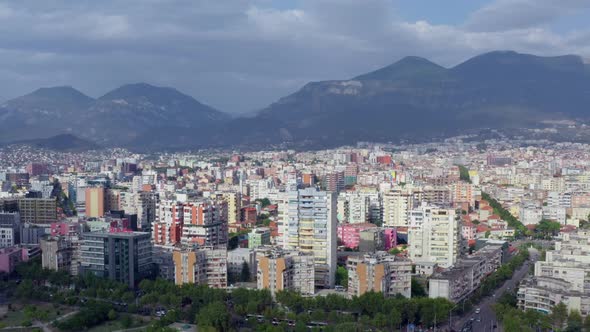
12, 318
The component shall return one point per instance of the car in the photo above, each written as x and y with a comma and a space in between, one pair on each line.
472, 319
478, 319
477, 311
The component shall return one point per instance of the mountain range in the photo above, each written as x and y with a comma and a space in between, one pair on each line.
411, 99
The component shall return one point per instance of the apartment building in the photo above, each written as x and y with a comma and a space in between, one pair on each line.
203, 266
9, 229
258, 236
438, 237
125, 257
311, 228
564, 276
279, 270
379, 272
37, 210
460, 281
95, 202
57, 253
396, 207
353, 208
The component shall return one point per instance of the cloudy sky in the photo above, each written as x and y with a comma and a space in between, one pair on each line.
241, 55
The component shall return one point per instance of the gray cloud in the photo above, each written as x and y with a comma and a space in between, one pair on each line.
502, 15
236, 55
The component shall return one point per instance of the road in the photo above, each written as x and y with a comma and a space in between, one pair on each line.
487, 316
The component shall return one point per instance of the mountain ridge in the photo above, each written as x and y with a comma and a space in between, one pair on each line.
410, 99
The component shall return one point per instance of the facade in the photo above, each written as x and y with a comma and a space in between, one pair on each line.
279, 270
353, 208
311, 229
9, 229
57, 253
379, 272
349, 235
38, 210
438, 239
202, 223
125, 257
460, 281
564, 276
259, 236
95, 202
206, 266
396, 207
10, 257
236, 259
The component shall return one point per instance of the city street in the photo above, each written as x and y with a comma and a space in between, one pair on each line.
486, 319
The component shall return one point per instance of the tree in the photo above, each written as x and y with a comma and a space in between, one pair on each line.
342, 276
213, 315
395, 319
245, 273
547, 228
112, 315
575, 322
464, 174
559, 315
264, 202
417, 289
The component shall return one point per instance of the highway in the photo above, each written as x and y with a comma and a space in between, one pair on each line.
486, 319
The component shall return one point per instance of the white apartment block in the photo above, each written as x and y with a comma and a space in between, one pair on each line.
353, 208
312, 228
396, 207
438, 240
564, 276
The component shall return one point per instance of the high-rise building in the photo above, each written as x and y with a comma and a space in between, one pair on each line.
334, 182
95, 202
379, 272
203, 223
396, 207
437, 239
38, 210
311, 228
353, 208
234, 206
279, 270
205, 266
125, 257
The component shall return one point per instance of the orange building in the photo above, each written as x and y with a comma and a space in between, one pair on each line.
95, 202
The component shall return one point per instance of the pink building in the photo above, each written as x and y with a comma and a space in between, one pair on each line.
349, 235
390, 238
468, 230
10, 257
64, 229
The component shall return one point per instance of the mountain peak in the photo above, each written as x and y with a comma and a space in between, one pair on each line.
409, 67
60, 92
137, 90
508, 61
